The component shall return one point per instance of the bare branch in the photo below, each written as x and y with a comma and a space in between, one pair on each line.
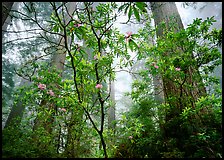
19, 39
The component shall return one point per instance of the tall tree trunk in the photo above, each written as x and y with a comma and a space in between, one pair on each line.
162, 11
73, 147
158, 85
111, 110
73, 136
182, 95
57, 62
17, 110
8, 19
6, 7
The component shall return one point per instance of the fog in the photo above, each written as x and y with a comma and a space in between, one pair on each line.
124, 79
187, 13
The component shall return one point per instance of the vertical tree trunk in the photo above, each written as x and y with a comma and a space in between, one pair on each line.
162, 11
58, 61
74, 133
177, 96
6, 7
111, 110
158, 89
17, 110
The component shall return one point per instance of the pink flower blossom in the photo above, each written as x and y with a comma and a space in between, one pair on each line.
50, 92
156, 66
128, 37
95, 57
98, 86
177, 69
128, 34
130, 137
77, 25
41, 86
62, 109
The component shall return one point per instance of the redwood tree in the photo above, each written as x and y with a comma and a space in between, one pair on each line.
190, 87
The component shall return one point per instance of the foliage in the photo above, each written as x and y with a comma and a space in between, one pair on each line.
55, 106
136, 8
193, 132
65, 116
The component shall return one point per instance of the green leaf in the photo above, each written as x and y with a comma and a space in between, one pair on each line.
126, 9
136, 14
82, 52
141, 6
122, 7
68, 57
79, 35
132, 141
65, 86
130, 13
131, 44
55, 29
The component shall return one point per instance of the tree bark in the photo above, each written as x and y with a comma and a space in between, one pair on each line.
181, 95
162, 11
6, 7
111, 110
57, 62
16, 113
74, 133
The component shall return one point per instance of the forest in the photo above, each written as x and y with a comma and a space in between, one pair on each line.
112, 80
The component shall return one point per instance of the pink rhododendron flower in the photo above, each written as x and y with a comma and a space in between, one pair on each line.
127, 38
156, 66
50, 92
63, 109
98, 86
177, 69
77, 25
130, 137
128, 34
95, 57
41, 86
